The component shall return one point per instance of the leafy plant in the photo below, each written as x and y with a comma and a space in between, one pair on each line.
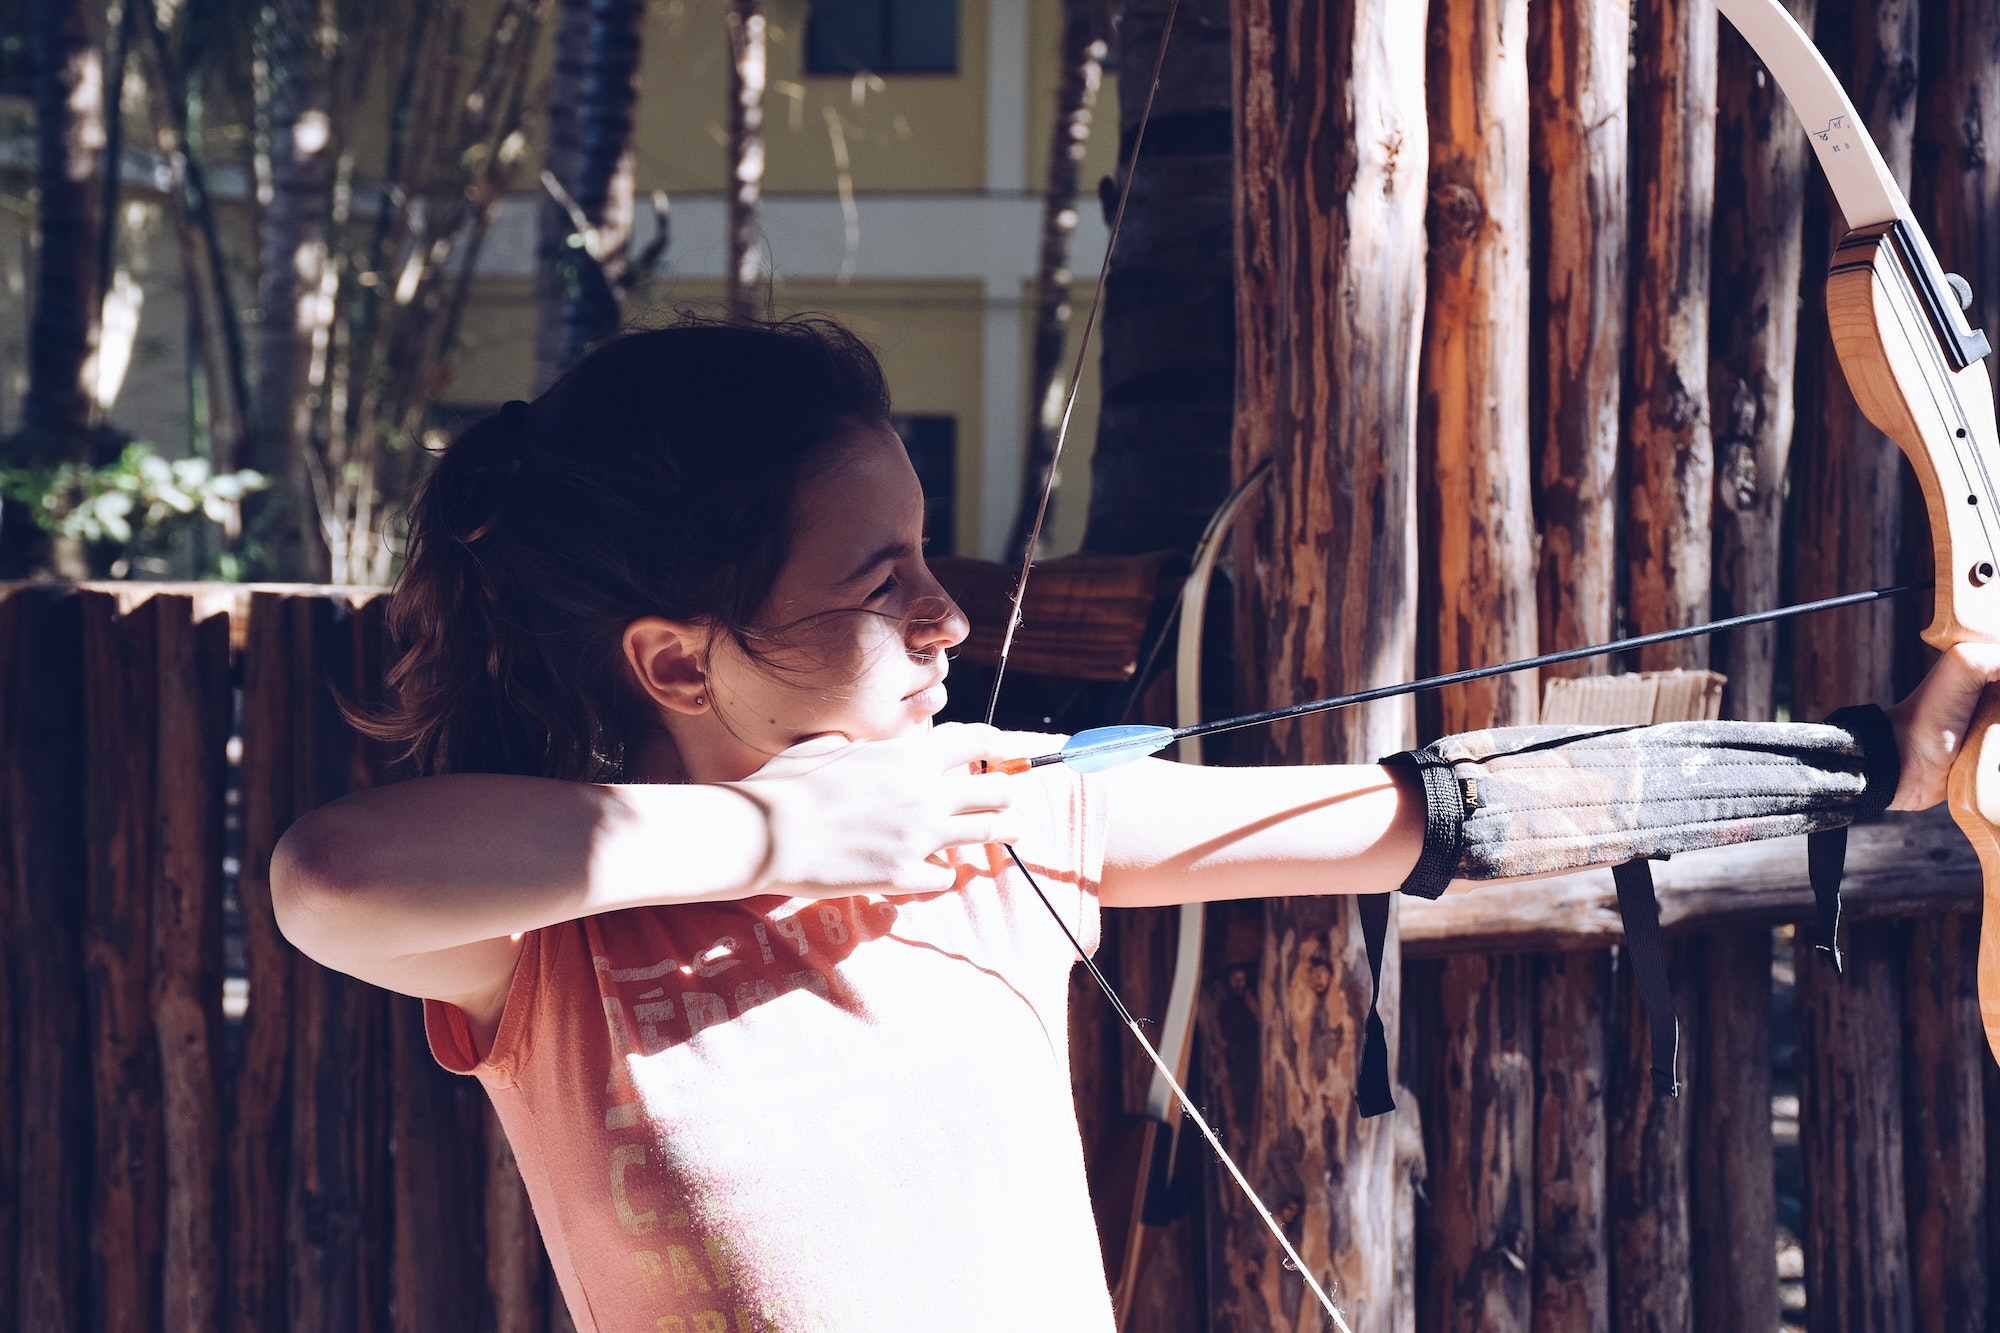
134, 510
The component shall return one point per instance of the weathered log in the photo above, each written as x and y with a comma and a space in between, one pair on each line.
1904, 865
47, 873
1331, 176
437, 1120
1733, 1190
120, 692
1944, 1118
1571, 1269
517, 1276
1477, 521
1670, 465
193, 702
1578, 91
1851, 1132
1647, 1159
1761, 164
336, 1233
260, 1158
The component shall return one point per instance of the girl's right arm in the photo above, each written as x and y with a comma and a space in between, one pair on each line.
425, 887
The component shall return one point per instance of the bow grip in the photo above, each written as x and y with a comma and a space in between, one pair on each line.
1896, 351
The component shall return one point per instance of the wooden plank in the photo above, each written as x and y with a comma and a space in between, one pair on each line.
1760, 883
260, 1129
1085, 616
187, 968
47, 869
1944, 1125
120, 766
1571, 1263
1851, 1140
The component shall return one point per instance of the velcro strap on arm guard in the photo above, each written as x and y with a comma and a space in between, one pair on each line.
1539, 800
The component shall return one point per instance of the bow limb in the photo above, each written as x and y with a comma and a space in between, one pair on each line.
1159, 1135
1917, 371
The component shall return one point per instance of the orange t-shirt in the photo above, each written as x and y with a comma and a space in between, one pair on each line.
826, 1114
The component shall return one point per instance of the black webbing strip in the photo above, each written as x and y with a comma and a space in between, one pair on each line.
1372, 1092
1639, 909
1826, 860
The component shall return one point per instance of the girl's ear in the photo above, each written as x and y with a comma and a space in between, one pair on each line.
669, 660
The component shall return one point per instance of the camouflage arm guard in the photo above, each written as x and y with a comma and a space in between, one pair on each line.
1536, 800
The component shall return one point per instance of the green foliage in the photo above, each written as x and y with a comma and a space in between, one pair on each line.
136, 506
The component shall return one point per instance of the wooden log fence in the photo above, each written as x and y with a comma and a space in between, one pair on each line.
301, 1163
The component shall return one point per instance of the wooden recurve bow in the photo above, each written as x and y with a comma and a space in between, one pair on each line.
1916, 367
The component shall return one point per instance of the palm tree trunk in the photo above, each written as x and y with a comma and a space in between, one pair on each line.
69, 132
746, 151
1083, 52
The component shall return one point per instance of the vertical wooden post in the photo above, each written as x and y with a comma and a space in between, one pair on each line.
260, 1132
47, 874
1947, 1101
1476, 516
1844, 493
439, 1237
338, 1232
517, 1280
1571, 1269
1331, 149
1578, 91
119, 740
193, 722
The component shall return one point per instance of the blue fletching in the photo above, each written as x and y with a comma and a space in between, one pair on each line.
1107, 747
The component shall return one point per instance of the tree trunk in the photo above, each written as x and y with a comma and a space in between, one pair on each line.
58, 411
1162, 459
1478, 528
593, 93
1081, 70
292, 291
1331, 179
746, 153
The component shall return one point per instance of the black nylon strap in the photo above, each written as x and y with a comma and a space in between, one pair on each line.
1826, 860
1639, 909
1372, 1092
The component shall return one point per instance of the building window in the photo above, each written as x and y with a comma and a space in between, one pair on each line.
933, 446
882, 37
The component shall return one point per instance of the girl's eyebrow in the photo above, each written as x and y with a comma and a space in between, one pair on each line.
899, 550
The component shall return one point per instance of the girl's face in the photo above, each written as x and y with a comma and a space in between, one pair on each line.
852, 639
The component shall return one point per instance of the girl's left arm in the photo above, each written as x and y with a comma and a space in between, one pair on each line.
1180, 833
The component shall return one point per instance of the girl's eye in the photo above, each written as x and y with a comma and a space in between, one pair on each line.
888, 586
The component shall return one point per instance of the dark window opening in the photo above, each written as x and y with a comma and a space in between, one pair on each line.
933, 446
882, 37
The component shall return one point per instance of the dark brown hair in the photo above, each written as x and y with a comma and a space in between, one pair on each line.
656, 478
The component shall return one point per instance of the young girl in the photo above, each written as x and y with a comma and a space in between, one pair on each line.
727, 929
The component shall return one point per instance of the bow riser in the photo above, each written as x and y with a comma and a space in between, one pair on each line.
1895, 348
1941, 418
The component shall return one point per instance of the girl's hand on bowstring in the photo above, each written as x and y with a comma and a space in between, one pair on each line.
1931, 724
874, 817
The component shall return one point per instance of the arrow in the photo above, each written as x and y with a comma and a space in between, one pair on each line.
1107, 747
